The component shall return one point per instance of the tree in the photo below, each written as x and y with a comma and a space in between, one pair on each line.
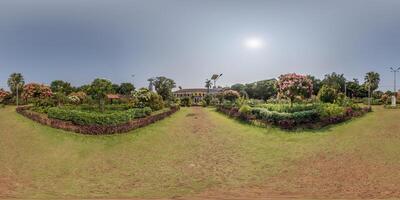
317, 84
265, 89
372, 79
164, 87
59, 86
126, 89
16, 80
37, 91
292, 85
115, 88
99, 90
208, 85
335, 81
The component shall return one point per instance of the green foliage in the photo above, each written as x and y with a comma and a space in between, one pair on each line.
146, 98
16, 80
373, 101
327, 94
330, 110
164, 87
186, 101
335, 81
372, 79
245, 109
59, 86
264, 89
42, 105
99, 89
126, 89
207, 99
278, 117
91, 118
287, 108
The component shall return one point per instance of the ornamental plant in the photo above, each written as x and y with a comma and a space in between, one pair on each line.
99, 89
35, 90
231, 95
293, 85
4, 95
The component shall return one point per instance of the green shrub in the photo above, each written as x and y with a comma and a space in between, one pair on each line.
231, 95
146, 98
327, 94
326, 110
245, 109
373, 101
91, 118
287, 108
186, 101
277, 117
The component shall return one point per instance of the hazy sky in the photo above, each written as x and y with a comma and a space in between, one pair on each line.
190, 40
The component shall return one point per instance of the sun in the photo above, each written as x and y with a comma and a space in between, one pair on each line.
253, 43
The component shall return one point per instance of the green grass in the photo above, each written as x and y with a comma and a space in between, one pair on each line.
193, 150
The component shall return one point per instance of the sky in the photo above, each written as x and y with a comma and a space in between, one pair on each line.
188, 40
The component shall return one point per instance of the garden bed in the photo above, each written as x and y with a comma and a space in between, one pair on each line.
308, 117
94, 129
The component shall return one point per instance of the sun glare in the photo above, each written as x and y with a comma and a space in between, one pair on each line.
253, 43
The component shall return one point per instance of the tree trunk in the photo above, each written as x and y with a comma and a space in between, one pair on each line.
101, 104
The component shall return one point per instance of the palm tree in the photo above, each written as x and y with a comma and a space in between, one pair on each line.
372, 80
208, 85
16, 81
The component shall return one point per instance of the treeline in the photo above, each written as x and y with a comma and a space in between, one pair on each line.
267, 89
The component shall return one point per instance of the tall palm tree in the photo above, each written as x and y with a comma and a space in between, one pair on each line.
208, 85
16, 80
372, 80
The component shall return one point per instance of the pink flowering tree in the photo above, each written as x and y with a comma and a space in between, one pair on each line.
34, 90
292, 85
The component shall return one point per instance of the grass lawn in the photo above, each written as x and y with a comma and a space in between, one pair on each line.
199, 153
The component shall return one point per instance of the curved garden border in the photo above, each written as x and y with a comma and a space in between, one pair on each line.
290, 125
93, 129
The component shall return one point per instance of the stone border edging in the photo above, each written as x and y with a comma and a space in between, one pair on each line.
93, 129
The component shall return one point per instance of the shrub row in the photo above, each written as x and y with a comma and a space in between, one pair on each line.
88, 118
94, 129
276, 117
321, 115
287, 108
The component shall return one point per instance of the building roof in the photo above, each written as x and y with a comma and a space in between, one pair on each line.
113, 96
191, 90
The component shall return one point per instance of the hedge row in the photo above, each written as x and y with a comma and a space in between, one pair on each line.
276, 117
88, 118
287, 108
94, 129
322, 115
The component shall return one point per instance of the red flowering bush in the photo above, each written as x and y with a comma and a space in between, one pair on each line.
3, 95
34, 90
292, 85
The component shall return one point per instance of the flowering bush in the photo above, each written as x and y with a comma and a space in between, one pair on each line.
34, 90
292, 85
77, 97
74, 99
231, 95
327, 94
3, 95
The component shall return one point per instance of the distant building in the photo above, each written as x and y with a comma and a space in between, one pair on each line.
197, 94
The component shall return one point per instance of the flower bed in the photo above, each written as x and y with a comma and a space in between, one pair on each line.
94, 129
308, 116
